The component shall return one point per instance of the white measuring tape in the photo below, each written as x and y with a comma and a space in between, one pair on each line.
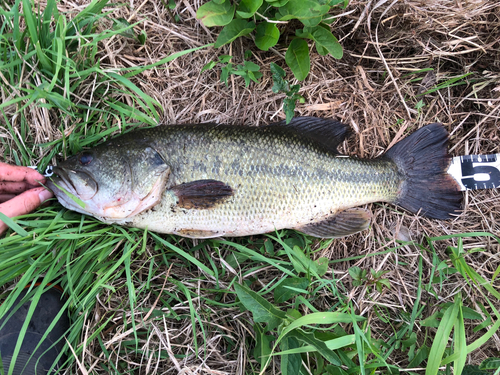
474, 172
48, 171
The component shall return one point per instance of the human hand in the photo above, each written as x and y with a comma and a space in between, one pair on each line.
20, 191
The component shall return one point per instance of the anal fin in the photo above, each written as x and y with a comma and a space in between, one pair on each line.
199, 233
341, 224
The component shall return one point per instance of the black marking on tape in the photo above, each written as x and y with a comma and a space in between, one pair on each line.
478, 171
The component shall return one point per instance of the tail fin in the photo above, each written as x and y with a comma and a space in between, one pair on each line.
423, 159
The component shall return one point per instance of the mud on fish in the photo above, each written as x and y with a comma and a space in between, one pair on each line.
209, 180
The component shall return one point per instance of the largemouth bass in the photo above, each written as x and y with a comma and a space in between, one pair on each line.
209, 180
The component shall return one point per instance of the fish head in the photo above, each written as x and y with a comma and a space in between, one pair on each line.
109, 182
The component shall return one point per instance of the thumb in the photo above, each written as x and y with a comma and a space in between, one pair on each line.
23, 203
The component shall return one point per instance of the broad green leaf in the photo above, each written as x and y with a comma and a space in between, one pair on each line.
224, 59
291, 364
297, 58
247, 8
233, 30
321, 266
225, 71
125, 28
318, 345
262, 310
277, 3
215, 14
422, 355
208, 66
474, 370
490, 364
266, 35
321, 50
289, 108
250, 66
279, 83
309, 12
262, 349
326, 39
335, 370
283, 292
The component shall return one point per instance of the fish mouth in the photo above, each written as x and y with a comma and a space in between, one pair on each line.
68, 184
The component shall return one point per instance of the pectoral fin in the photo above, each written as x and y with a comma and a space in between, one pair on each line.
342, 224
201, 194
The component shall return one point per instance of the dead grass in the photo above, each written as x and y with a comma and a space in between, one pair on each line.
374, 89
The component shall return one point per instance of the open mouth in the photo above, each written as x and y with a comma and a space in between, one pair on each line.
60, 179
68, 182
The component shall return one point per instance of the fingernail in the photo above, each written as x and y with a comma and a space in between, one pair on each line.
44, 195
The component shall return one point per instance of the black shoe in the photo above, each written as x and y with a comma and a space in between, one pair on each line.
29, 361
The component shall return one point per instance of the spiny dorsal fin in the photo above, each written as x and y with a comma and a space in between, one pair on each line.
201, 194
341, 224
325, 132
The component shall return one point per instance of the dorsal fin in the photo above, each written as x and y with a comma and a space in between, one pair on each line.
326, 132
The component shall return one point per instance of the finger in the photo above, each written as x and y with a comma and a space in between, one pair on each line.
15, 173
24, 203
13, 187
6, 197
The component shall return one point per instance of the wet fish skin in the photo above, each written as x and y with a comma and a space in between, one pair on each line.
273, 177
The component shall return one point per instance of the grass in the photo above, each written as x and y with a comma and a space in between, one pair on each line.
285, 303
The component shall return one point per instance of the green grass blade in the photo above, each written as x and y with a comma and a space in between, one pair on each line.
30, 20
319, 318
12, 225
440, 340
460, 341
183, 254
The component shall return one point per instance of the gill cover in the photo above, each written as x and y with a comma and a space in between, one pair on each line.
114, 181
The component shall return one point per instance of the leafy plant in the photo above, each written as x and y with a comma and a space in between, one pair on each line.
487, 367
282, 85
262, 19
125, 28
361, 277
296, 335
249, 70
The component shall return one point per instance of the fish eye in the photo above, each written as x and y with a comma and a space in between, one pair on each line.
86, 158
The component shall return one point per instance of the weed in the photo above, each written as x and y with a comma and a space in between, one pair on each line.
261, 19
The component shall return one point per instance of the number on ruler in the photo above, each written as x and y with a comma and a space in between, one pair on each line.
471, 168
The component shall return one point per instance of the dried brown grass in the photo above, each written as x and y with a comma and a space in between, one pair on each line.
399, 38
370, 90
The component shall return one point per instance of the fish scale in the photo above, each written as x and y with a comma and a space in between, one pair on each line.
279, 180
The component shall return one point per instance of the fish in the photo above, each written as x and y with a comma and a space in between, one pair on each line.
212, 180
